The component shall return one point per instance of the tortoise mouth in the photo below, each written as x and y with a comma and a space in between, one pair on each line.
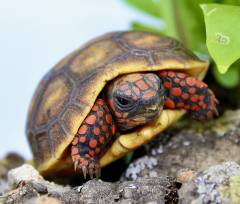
139, 120
148, 117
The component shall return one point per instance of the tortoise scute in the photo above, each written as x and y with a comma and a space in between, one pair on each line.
53, 101
146, 41
94, 56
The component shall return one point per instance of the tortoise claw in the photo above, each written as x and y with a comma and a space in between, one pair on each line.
98, 172
84, 171
88, 166
76, 165
91, 173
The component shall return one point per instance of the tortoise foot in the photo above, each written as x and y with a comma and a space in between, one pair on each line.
185, 92
88, 166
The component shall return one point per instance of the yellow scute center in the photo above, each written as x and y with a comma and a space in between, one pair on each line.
52, 101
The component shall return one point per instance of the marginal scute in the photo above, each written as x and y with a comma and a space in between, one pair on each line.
57, 136
53, 100
94, 56
43, 148
60, 65
33, 105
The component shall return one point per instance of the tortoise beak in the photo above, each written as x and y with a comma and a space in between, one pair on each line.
152, 108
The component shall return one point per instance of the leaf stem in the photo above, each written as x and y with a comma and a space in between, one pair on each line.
178, 23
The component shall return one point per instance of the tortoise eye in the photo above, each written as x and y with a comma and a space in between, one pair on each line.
123, 101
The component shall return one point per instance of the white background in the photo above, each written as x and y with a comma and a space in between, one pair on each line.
34, 35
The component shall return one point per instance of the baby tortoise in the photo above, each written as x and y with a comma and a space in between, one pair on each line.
111, 96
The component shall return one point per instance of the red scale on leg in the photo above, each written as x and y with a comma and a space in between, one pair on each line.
184, 91
91, 139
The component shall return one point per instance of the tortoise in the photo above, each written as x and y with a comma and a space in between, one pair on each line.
111, 96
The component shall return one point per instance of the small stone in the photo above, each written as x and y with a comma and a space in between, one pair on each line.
218, 184
185, 175
24, 173
127, 193
137, 168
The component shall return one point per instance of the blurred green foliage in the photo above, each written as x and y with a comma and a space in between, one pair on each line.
207, 27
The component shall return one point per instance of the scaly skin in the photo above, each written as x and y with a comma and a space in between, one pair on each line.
97, 130
147, 93
185, 92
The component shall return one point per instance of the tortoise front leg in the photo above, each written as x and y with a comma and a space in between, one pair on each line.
97, 131
186, 92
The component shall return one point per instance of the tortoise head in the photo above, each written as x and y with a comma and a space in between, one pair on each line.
135, 99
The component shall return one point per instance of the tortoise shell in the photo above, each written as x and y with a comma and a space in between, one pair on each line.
67, 92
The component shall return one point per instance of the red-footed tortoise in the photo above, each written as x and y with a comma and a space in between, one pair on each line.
111, 96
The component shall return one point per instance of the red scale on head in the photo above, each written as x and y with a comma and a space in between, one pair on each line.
142, 85
149, 94
136, 90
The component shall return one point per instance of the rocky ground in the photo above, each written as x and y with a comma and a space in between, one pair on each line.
191, 163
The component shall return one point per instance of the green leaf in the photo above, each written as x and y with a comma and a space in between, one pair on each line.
184, 21
230, 79
147, 6
222, 28
137, 26
232, 2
